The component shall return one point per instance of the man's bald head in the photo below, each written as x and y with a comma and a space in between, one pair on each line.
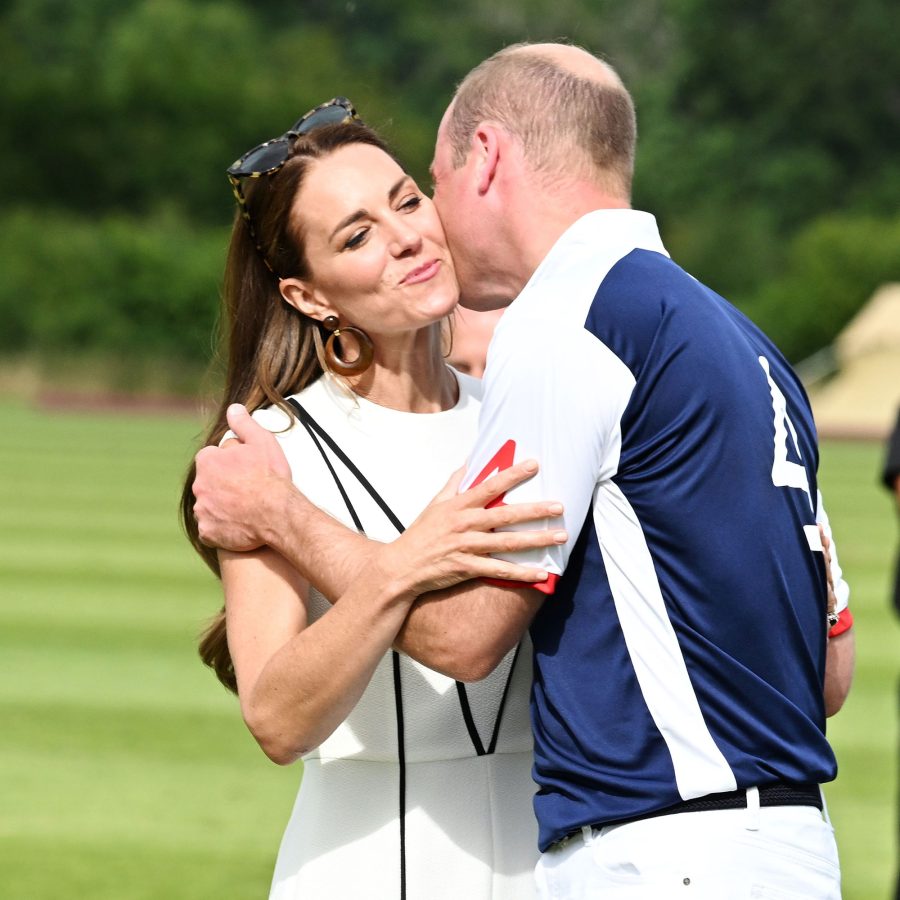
572, 59
570, 111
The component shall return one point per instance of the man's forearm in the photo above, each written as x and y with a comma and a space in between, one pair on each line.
839, 666
465, 631
324, 551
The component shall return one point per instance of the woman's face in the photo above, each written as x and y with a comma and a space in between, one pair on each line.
374, 244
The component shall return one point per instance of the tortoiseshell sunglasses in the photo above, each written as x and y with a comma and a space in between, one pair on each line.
269, 157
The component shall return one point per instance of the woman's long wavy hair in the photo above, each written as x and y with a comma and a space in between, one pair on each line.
271, 350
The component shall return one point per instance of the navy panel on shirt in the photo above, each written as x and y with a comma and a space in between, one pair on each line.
741, 587
573, 754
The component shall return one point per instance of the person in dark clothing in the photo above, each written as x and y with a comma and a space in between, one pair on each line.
891, 478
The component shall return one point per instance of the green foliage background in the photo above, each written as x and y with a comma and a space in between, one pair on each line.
770, 139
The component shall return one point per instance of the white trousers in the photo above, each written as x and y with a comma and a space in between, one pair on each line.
780, 853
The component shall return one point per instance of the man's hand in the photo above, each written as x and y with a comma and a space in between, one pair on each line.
831, 604
241, 486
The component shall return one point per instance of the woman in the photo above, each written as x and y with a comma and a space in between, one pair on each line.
413, 785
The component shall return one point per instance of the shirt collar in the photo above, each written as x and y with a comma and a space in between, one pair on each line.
617, 224
622, 229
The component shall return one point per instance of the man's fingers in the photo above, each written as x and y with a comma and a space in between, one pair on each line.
251, 434
248, 430
199, 460
829, 576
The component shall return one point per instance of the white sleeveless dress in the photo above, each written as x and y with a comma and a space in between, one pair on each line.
460, 763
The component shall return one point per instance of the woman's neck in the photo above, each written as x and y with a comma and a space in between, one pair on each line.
408, 374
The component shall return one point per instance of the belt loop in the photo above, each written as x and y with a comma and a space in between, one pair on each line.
587, 832
825, 815
753, 809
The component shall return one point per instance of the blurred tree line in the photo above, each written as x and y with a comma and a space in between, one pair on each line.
769, 144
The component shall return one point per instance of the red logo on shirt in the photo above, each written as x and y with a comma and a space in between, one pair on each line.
501, 460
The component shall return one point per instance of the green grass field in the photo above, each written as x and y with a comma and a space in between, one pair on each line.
126, 771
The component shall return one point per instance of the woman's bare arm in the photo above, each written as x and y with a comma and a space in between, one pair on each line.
298, 681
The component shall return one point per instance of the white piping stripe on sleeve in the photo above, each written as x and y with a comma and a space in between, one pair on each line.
813, 537
841, 588
700, 767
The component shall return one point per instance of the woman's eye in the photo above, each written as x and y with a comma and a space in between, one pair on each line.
356, 239
411, 202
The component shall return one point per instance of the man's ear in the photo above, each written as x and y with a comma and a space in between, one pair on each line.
305, 298
487, 144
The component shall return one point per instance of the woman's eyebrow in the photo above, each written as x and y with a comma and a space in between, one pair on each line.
361, 213
392, 193
348, 220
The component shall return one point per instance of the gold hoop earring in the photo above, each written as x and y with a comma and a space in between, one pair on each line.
365, 354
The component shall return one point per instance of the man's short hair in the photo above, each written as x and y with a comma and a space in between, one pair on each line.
567, 124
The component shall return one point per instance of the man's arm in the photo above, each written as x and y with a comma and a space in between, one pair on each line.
840, 662
465, 631
840, 654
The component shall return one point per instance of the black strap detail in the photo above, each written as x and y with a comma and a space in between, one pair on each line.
312, 427
401, 753
315, 432
493, 744
469, 719
310, 423
474, 736
337, 481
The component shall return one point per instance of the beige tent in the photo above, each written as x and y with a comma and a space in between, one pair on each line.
862, 397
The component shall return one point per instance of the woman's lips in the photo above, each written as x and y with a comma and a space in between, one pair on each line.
423, 273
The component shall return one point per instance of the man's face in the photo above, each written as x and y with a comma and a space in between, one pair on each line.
454, 190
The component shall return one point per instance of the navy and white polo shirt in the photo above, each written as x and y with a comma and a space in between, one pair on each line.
683, 650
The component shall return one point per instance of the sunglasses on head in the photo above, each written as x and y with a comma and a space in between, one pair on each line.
270, 156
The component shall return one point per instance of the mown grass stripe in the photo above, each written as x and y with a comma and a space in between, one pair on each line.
127, 773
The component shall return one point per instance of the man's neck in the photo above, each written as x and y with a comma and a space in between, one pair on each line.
546, 214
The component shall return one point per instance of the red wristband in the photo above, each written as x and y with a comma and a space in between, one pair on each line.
844, 623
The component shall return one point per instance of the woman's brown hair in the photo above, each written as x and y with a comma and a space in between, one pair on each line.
271, 349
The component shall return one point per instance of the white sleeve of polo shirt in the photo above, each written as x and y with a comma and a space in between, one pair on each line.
552, 392
841, 588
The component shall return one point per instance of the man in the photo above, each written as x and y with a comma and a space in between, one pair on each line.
678, 706
890, 477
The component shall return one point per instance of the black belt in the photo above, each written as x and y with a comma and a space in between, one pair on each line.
780, 794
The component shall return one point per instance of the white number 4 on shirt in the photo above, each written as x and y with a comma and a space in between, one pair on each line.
784, 472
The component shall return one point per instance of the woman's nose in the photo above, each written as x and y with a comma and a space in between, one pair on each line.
405, 239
